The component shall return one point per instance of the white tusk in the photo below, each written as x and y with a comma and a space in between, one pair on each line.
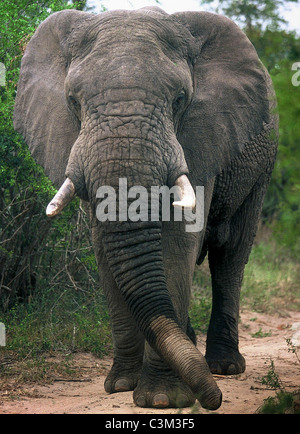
64, 195
187, 194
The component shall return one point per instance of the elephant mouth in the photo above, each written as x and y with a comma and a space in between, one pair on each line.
185, 193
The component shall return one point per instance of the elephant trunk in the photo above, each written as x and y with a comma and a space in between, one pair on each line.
135, 258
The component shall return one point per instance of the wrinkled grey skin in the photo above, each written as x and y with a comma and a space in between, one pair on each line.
148, 96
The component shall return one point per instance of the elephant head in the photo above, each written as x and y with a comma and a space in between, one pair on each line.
149, 97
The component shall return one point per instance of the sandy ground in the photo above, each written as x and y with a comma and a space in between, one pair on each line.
242, 394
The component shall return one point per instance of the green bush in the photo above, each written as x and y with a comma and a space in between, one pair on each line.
279, 50
58, 320
32, 247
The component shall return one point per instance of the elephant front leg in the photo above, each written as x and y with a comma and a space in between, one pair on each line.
222, 345
128, 341
227, 263
128, 355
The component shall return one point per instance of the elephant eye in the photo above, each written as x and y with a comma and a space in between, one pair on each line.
179, 101
73, 101
75, 105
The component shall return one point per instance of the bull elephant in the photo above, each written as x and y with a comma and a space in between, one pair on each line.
156, 100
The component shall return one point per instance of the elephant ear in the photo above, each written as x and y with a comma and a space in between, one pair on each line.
41, 114
230, 104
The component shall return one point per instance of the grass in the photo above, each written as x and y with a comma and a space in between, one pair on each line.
43, 337
67, 324
283, 402
271, 279
201, 301
261, 334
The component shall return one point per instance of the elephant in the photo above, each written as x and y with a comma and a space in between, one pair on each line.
156, 99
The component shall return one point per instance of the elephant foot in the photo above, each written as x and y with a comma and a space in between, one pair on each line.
122, 379
225, 361
162, 391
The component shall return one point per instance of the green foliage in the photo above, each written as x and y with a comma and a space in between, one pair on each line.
252, 13
31, 246
58, 321
283, 402
279, 50
272, 379
201, 302
261, 334
271, 279
200, 311
18, 21
286, 181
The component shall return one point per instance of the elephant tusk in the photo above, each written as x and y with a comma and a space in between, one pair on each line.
64, 195
187, 194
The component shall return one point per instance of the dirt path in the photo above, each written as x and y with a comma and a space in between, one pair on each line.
262, 339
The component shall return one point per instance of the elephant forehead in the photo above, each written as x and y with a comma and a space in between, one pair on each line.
127, 28
129, 49
133, 69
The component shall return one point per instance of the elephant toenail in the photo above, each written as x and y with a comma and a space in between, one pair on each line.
160, 401
231, 369
122, 385
215, 368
